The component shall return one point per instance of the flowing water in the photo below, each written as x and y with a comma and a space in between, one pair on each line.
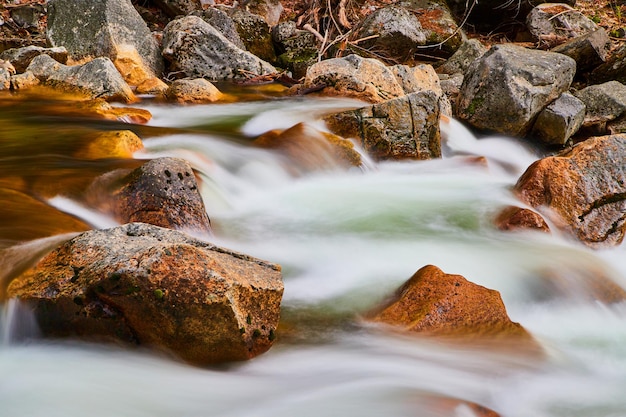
345, 239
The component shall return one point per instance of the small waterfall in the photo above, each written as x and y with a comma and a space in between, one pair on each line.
17, 323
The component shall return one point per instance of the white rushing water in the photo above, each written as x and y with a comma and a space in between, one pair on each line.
346, 239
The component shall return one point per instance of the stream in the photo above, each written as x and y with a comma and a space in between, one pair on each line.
346, 239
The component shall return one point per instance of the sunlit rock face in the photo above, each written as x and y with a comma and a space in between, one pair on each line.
435, 303
139, 284
584, 189
95, 79
110, 28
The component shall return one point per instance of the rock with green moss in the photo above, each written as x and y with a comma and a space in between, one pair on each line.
198, 50
508, 86
142, 285
255, 34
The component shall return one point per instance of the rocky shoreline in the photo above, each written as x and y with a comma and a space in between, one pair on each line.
410, 63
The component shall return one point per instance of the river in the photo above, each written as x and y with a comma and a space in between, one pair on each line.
345, 239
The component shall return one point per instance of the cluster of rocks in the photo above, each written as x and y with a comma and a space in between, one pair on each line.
145, 283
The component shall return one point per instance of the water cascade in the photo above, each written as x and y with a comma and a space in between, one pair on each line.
345, 240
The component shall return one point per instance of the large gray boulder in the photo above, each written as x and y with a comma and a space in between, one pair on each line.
95, 79
605, 102
551, 24
556, 124
105, 28
391, 32
406, 127
140, 284
505, 89
196, 48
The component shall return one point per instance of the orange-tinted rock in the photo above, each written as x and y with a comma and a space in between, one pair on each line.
163, 192
112, 144
310, 148
437, 303
196, 90
140, 284
152, 86
584, 189
517, 218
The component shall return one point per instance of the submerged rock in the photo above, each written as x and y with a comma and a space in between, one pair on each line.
403, 128
437, 303
584, 189
95, 79
105, 28
310, 148
518, 218
111, 144
140, 284
509, 85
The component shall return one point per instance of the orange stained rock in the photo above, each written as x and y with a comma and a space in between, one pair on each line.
437, 303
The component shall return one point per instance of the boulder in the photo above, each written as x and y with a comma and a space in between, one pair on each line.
353, 76
27, 16
614, 69
175, 8
422, 77
107, 28
507, 88
95, 79
21, 57
443, 35
589, 50
513, 218
604, 103
391, 32
197, 90
406, 127
199, 50
221, 21
297, 49
255, 34
552, 24
461, 60
163, 192
559, 120
310, 148
140, 284
582, 190
436, 303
